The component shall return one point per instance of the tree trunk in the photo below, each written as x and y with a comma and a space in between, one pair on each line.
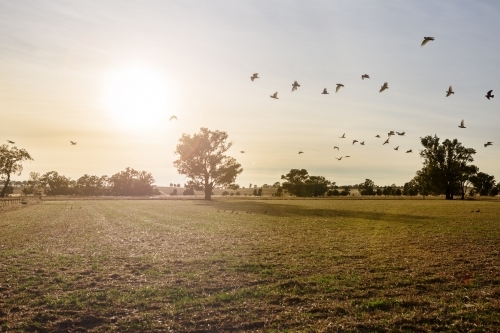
2, 195
208, 191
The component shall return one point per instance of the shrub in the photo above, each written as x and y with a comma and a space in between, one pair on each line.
174, 192
232, 194
225, 193
238, 193
188, 191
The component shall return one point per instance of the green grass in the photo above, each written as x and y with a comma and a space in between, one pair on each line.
305, 265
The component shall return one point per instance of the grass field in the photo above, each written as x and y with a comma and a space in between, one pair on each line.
304, 266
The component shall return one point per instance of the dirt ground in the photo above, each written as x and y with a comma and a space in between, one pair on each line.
250, 265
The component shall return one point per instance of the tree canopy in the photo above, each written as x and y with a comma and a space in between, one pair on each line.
202, 158
131, 183
446, 168
11, 162
299, 183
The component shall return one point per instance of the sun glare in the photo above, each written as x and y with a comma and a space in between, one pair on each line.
137, 98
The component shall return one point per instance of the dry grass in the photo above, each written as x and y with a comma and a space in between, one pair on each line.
305, 265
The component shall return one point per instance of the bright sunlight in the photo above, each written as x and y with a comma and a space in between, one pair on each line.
137, 98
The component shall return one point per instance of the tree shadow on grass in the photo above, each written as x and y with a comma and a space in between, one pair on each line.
301, 209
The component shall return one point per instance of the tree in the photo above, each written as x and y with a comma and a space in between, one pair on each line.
277, 184
255, 192
132, 182
33, 185
259, 192
367, 188
203, 159
188, 191
225, 193
174, 192
346, 191
55, 184
379, 192
483, 183
11, 162
233, 187
91, 185
446, 167
171, 185
299, 183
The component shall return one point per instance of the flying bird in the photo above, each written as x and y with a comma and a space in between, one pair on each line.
336, 148
347, 156
275, 95
342, 137
426, 40
295, 85
450, 91
73, 143
242, 151
172, 118
365, 76
325, 92
489, 143
462, 124
489, 95
402, 133
384, 87
254, 76
11, 142
354, 141
386, 141
339, 85
390, 133
377, 136
362, 143
301, 152
339, 158
409, 151
396, 148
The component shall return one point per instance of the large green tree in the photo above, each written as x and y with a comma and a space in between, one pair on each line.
299, 183
202, 158
11, 162
131, 183
446, 168
483, 183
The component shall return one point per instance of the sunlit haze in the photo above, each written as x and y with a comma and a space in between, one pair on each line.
109, 74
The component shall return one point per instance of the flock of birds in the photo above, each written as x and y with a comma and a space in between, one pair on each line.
385, 86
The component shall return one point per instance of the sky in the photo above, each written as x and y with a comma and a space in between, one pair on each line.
108, 75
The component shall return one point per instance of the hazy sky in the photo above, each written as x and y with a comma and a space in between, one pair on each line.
109, 74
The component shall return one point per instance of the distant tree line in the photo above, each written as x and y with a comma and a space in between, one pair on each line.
124, 183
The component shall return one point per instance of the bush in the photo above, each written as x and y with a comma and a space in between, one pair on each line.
225, 193
232, 194
494, 191
238, 193
334, 193
174, 192
188, 191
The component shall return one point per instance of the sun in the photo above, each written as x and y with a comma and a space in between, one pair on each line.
137, 98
